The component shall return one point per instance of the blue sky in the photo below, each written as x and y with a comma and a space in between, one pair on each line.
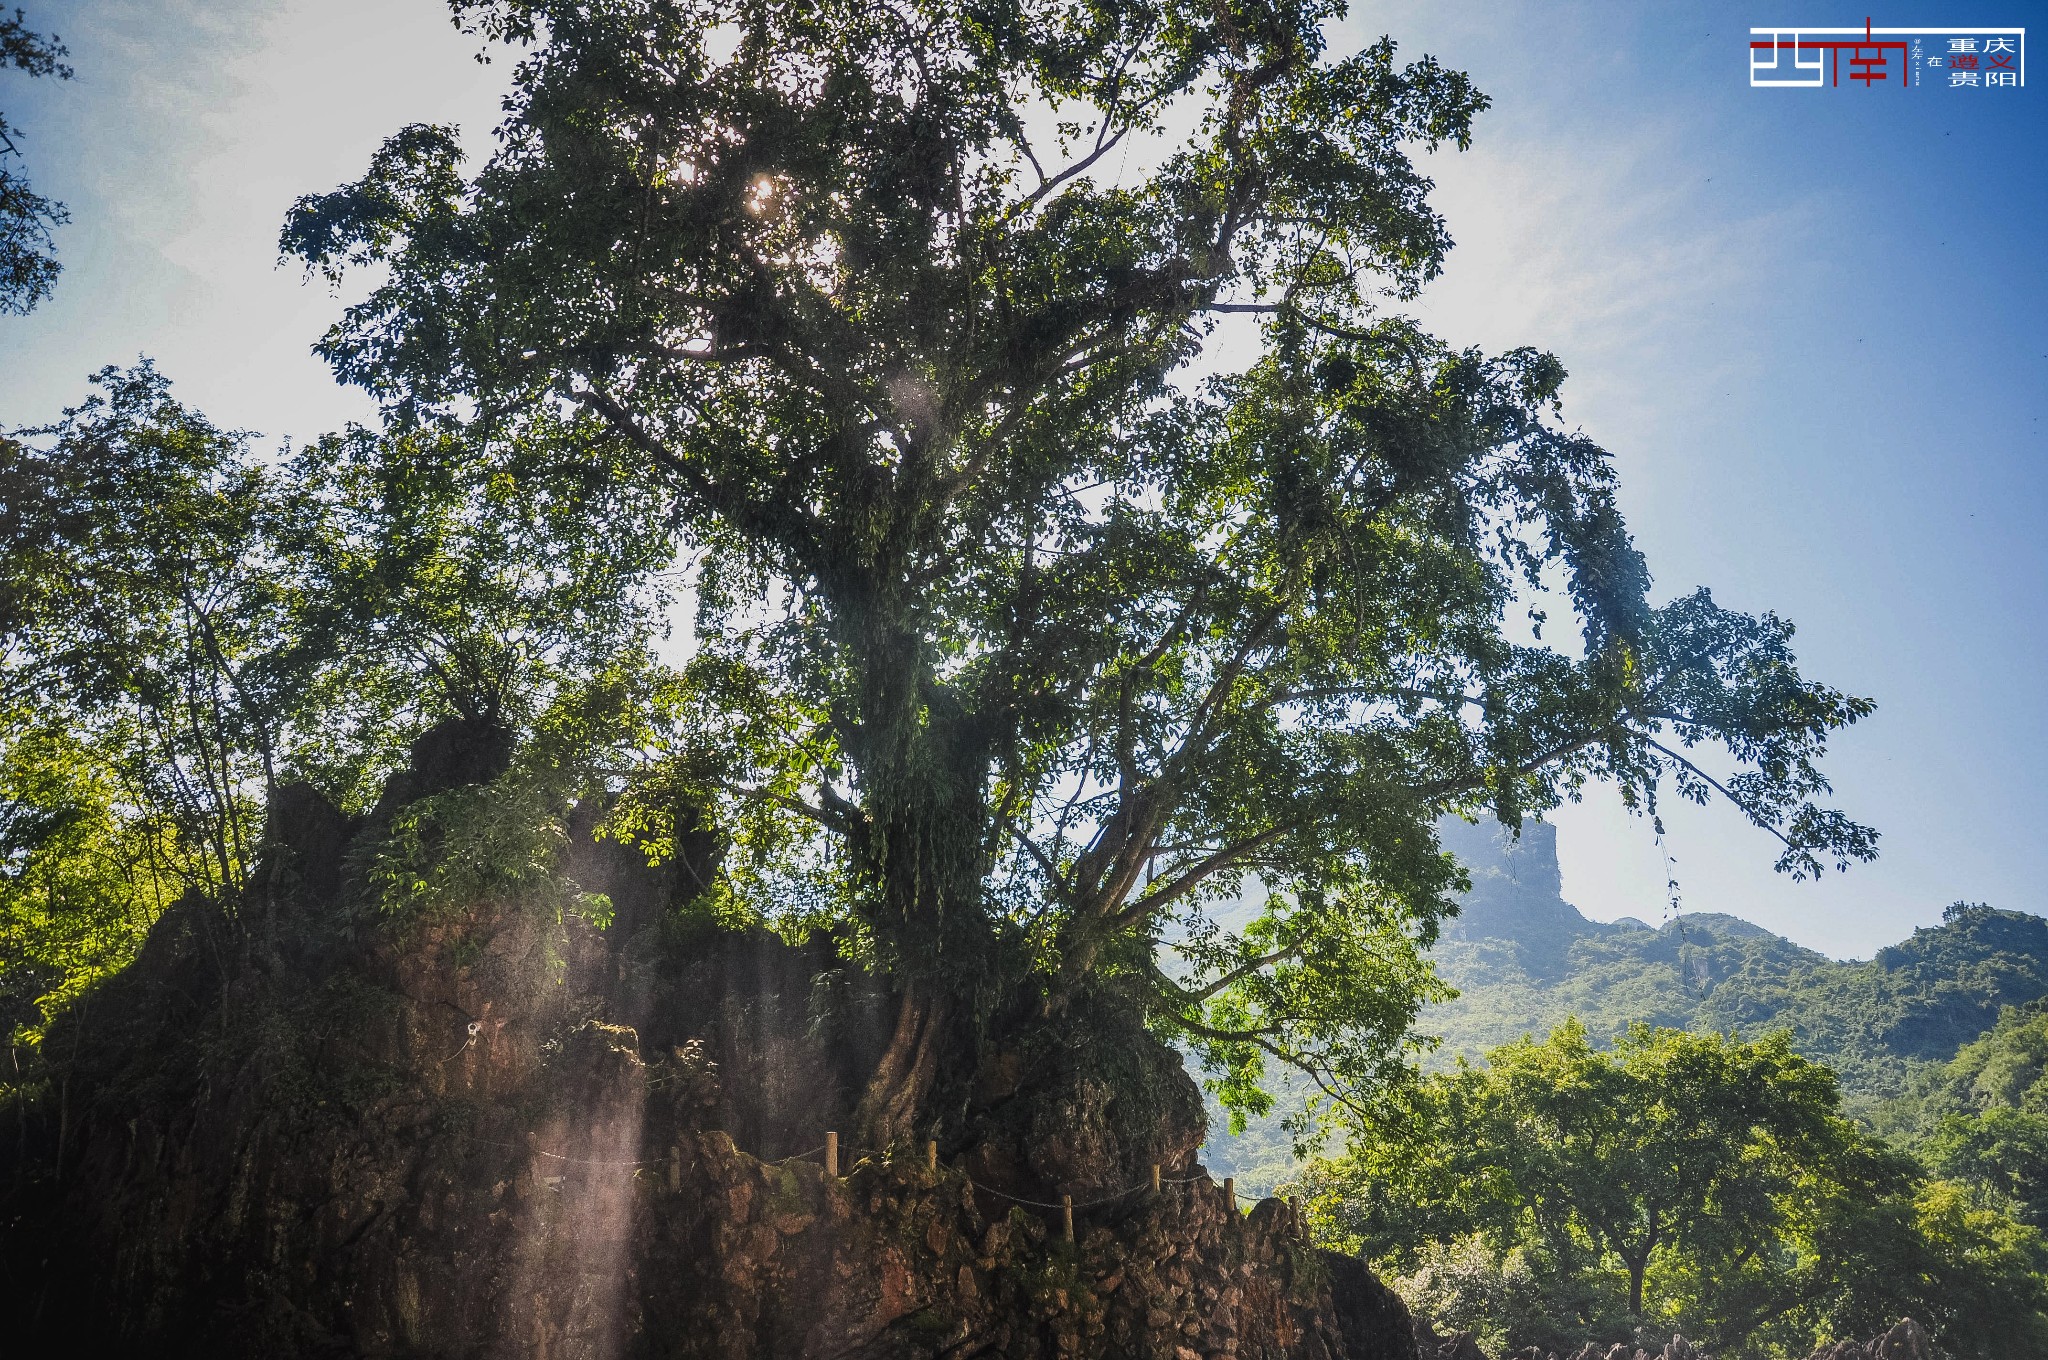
1810, 324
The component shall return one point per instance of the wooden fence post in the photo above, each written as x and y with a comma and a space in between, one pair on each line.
1067, 1215
831, 1154
1230, 1192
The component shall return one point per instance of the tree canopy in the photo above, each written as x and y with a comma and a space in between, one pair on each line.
1558, 1193
188, 624
1079, 533
1983, 1117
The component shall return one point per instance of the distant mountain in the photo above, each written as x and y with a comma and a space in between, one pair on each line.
1523, 959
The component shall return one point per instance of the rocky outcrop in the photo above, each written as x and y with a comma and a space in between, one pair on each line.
305, 1131
901, 1260
1908, 1340
1430, 1345
1677, 1348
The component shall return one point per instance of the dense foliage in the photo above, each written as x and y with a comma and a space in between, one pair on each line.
900, 307
28, 269
1558, 1193
186, 627
1983, 1118
1970, 1159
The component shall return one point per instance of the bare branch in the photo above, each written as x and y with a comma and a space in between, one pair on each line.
829, 820
1755, 817
1102, 148
1186, 882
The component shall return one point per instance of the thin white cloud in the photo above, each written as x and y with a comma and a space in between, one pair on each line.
1615, 257
188, 133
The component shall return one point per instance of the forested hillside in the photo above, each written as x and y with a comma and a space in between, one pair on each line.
1598, 1069
1523, 959
1983, 1117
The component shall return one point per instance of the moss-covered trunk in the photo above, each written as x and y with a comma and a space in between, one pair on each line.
919, 841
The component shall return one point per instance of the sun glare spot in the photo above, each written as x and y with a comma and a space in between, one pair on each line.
721, 42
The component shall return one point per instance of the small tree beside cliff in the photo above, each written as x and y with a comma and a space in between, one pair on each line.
1558, 1194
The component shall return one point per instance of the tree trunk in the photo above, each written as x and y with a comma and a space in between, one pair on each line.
896, 1093
920, 845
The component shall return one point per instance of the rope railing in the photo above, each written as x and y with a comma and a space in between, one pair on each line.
799, 1156
1066, 1205
830, 1150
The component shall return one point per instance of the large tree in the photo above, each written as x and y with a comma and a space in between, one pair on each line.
1684, 1181
1672, 1147
1069, 505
